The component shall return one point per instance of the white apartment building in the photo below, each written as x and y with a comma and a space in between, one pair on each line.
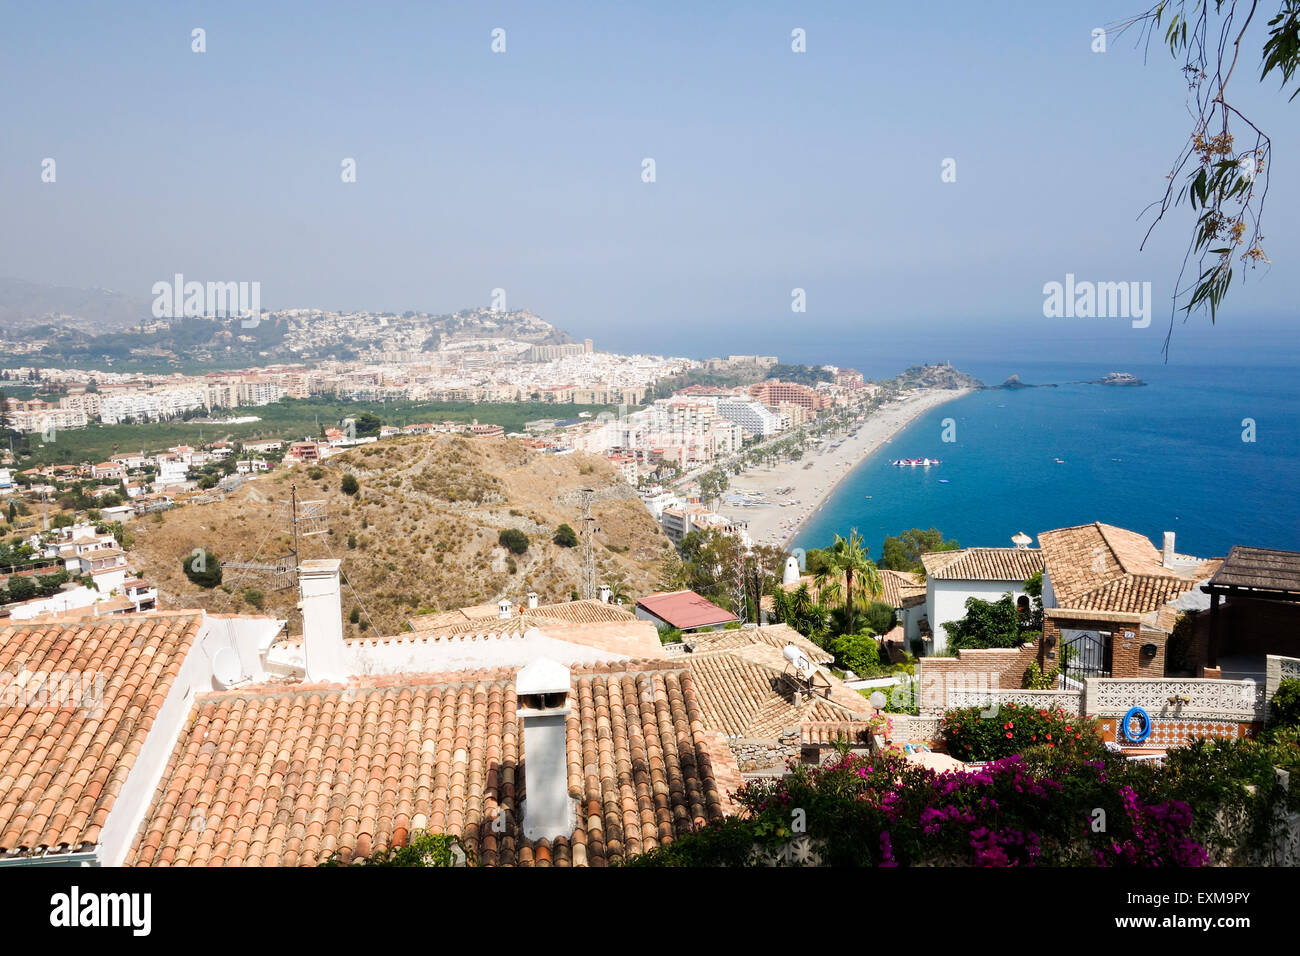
50, 418
152, 404
754, 417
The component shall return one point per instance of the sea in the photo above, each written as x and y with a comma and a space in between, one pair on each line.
1209, 452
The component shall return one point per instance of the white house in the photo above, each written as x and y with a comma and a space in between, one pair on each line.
952, 577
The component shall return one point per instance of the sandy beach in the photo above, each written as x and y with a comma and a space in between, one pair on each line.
787, 494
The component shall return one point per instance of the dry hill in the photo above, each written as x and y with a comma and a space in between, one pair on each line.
420, 534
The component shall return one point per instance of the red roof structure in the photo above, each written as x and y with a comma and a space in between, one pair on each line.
684, 610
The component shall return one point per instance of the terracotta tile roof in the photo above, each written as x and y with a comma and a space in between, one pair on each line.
983, 564
773, 635
685, 609
900, 585
743, 690
286, 776
1100, 567
62, 767
856, 732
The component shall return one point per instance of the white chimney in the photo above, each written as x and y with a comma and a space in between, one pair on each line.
1169, 553
503, 609
532, 600
322, 621
605, 593
542, 689
791, 575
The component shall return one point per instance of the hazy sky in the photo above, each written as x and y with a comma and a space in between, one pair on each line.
522, 170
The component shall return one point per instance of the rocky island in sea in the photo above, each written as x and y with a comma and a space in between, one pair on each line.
1117, 378
1014, 382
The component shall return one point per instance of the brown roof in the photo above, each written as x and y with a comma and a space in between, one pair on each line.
286, 777
62, 767
1099, 567
1260, 569
983, 564
743, 690
774, 635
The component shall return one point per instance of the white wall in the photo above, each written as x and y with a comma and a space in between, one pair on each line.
946, 601
195, 676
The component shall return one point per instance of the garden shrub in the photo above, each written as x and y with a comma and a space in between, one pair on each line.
513, 540
969, 734
883, 810
1286, 704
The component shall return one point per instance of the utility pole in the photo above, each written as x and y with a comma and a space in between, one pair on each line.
589, 530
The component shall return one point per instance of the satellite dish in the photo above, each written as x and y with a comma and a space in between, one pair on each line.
226, 668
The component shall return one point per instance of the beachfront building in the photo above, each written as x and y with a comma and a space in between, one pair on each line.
754, 418
953, 577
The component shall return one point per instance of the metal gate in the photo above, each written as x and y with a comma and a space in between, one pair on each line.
1084, 654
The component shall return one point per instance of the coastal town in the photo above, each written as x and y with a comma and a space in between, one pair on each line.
778, 661
471, 437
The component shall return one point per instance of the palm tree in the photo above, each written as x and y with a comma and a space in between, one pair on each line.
847, 559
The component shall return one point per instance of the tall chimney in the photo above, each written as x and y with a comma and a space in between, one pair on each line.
322, 621
791, 575
605, 592
542, 689
532, 600
503, 609
1169, 549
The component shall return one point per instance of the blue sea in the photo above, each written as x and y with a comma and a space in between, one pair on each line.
1167, 456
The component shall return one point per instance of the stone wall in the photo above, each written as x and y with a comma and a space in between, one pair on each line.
766, 753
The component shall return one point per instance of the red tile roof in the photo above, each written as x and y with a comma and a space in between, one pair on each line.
685, 609
983, 564
287, 776
62, 767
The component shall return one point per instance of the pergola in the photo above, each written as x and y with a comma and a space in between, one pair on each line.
1257, 574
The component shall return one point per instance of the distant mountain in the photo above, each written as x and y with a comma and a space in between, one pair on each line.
81, 327
25, 305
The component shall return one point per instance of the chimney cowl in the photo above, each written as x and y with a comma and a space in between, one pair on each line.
605, 592
503, 609
532, 599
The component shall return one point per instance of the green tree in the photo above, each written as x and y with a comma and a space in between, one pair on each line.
987, 624
846, 564
255, 597
903, 552
513, 540
565, 537
21, 588
202, 569
367, 424
350, 486
713, 484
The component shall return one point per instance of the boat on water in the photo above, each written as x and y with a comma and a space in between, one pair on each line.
915, 462
943, 481
1059, 461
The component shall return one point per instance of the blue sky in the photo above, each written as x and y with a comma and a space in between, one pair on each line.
522, 170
